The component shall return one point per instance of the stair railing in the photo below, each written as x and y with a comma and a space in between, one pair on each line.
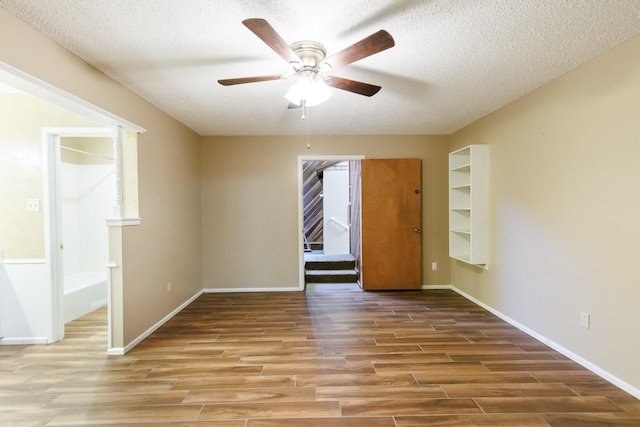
346, 227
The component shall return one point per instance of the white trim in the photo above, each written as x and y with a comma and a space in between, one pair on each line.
123, 222
336, 157
23, 81
118, 207
432, 287
244, 290
301, 160
78, 131
53, 226
116, 351
24, 341
110, 266
557, 347
119, 351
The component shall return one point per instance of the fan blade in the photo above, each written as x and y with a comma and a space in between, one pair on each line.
368, 46
243, 80
360, 88
267, 34
293, 106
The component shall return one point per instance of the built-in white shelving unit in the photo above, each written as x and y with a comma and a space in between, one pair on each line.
468, 202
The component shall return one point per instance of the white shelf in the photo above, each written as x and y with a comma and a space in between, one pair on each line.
461, 258
460, 231
462, 168
468, 202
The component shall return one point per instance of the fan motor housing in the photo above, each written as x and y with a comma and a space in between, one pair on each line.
311, 53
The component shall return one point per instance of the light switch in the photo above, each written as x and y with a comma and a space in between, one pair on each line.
33, 205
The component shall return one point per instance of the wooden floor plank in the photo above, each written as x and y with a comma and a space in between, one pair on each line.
126, 414
339, 358
258, 395
270, 410
499, 420
507, 390
325, 422
409, 407
591, 420
546, 404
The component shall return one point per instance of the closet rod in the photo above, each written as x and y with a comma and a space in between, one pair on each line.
86, 152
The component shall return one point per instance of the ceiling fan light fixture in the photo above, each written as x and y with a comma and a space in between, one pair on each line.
312, 90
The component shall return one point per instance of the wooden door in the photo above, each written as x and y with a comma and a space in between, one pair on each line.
391, 224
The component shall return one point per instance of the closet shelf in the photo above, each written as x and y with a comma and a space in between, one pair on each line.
463, 168
461, 231
468, 204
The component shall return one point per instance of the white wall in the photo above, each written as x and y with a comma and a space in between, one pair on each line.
26, 319
335, 204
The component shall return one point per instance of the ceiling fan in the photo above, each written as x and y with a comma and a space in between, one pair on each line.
309, 62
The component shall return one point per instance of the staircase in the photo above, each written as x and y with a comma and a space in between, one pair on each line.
320, 268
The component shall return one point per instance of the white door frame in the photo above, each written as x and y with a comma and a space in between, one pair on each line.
53, 219
301, 160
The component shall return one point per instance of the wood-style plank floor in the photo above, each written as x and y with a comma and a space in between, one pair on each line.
325, 358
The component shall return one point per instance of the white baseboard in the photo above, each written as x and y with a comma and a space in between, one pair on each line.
427, 287
119, 351
557, 347
115, 351
24, 341
235, 290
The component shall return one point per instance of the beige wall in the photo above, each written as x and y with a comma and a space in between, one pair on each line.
250, 204
167, 245
22, 118
564, 211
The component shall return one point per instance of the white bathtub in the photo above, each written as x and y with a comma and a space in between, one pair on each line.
83, 293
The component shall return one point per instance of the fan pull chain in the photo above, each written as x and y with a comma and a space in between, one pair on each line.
308, 122
305, 109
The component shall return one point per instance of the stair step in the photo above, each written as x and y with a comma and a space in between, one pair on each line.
329, 262
323, 257
331, 276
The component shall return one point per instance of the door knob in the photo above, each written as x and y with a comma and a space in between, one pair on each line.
417, 230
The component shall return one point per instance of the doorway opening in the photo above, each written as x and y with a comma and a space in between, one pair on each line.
81, 194
329, 214
87, 181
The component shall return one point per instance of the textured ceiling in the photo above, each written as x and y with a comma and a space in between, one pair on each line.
454, 60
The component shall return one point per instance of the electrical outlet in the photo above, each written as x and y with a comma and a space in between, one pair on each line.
168, 286
585, 320
434, 266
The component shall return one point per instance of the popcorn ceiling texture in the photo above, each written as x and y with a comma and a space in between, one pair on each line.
454, 60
